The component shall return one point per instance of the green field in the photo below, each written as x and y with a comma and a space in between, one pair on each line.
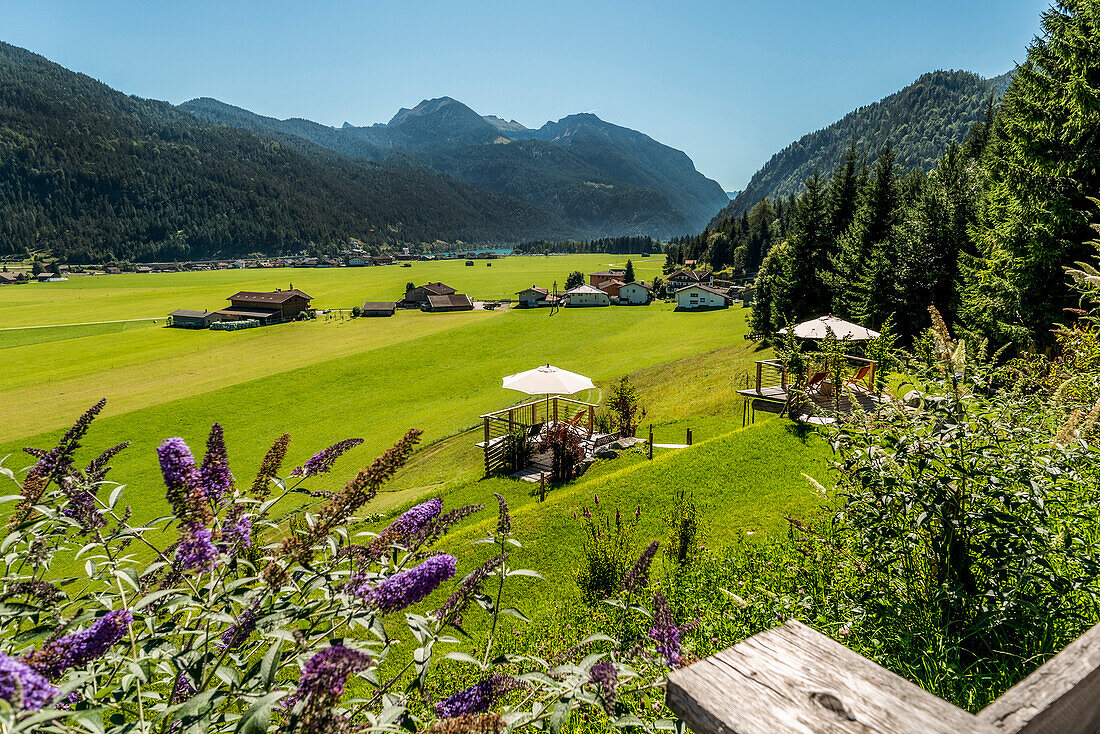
338, 377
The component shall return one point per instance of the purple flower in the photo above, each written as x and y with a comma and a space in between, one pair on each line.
606, 678
455, 606
408, 587
214, 474
237, 531
638, 577
322, 461
504, 522
181, 476
325, 675
78, 648
196, 549
478, 698
415, 519
664, 631
239, 633
22, 686
82, 505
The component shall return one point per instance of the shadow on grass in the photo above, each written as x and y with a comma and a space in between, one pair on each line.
801, 431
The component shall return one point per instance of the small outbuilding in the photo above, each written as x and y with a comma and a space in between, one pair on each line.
450, 302
378, 308
187, 319
696, 297
8, 278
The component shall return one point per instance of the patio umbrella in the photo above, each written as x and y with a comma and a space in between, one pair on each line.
547, 380
820, 327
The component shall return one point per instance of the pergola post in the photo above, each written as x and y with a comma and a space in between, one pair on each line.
486, 447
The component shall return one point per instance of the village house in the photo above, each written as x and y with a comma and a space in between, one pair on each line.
357, 261
612, 288
683, 278
449, 302
187, 319
700, 297
594, 279
8, 278
635, 294
382, 260
270, 307
533, 296
378, 308
417, 297
586, 295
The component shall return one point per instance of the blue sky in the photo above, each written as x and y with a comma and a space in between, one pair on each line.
728, 82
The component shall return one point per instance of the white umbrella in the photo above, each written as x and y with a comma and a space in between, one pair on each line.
547, 380
820, 328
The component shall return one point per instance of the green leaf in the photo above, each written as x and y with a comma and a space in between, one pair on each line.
258, 716
270, 665
560, 715
464, 658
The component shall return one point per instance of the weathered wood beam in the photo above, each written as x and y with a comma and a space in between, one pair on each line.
1061, 697
794, 680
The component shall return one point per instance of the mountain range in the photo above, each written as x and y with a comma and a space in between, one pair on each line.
600, 179
918, 122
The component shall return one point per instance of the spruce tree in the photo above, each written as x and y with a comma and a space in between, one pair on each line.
809, 251
1043, 161
629, 277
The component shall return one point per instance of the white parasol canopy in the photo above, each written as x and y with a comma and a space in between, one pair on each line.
820, 327
547, 380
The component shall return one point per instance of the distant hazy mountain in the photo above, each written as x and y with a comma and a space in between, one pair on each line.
600, 178
918, 122
732, 194
91, 174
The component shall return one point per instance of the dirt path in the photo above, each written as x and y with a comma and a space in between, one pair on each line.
85, 323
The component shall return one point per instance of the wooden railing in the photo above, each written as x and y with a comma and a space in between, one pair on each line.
501, 423
773, 372
794, 679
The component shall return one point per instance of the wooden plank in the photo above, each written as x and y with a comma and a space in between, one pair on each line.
794, 680
1061, 697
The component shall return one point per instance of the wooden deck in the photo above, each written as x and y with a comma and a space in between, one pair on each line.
776, 398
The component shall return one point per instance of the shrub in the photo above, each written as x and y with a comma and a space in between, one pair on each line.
574, 279
564, 442
625, 408
517, 451
682, 529
356, 312
608, 549
219, 618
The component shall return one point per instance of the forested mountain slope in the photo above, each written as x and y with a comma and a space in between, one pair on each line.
602, 179
93, 174
918, 122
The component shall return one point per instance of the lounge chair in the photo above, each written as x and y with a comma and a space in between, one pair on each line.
862, 377
813, 385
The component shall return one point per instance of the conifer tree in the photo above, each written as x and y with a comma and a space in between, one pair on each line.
809, 251
629, 277
1043, 161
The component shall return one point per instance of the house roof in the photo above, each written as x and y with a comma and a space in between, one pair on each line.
536, 289
379, 306
437, 289
450, 300
695, 275
269, 297
187, 313
706, 288
10, 277
610, 284
585, 289
639, 283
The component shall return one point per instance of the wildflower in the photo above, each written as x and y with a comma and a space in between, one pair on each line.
478, 698
408, 587
574, 514
586, 512
237, 530
492, 723
239, 633
452, 610
596, 499
637, 513
98, 469
181, 477
416, 518
664, 631
214, 473
22, 686
606, 679
269, 467
504, 523
638, 577
78, 648
52, 465
196, 549
322, 461
325, 675
81, 505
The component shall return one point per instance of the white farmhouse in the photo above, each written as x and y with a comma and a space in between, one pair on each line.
586, 295
700, 296
533, 296
634, 294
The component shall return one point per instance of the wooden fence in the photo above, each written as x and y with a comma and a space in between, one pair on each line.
795, 680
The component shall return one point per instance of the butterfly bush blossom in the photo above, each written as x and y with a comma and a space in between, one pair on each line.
214, 473
22, 686
408, 587
665, 632
478, 698
606, 679
322, 461
188, 498
78, 648
326, 673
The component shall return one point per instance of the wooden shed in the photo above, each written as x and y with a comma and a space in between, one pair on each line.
378, 308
